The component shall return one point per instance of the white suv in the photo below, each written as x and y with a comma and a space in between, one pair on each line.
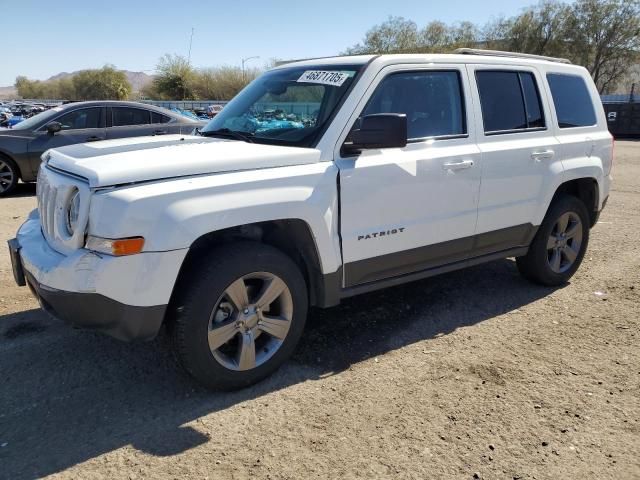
321, 180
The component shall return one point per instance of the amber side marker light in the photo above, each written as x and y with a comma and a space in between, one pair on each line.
117, 247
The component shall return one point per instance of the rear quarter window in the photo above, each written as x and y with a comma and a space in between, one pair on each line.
159, 118
572, 101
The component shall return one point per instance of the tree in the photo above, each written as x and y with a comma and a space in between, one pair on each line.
65, 89
464, 34
104, 84
221, 83
540, 30
25, 87
174, 80
394, 35
602, 35
605, 37
178, 80
435, 36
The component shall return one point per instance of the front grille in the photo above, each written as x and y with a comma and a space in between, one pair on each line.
47, 198
53, 192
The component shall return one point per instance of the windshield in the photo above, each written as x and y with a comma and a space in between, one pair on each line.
34, 121
288, 106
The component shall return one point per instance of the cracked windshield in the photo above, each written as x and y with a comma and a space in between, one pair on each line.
285, 106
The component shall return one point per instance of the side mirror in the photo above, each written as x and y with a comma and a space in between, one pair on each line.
54, 127
380, 130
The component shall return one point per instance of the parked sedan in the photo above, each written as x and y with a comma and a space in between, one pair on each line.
22, 145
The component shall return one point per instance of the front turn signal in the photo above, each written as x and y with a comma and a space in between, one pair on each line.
115, 246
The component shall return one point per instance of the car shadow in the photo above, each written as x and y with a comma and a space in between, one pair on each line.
69, 396
24, 190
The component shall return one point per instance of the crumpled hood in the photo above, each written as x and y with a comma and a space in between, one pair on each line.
115, 162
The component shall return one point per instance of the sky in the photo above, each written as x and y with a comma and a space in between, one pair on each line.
41, 39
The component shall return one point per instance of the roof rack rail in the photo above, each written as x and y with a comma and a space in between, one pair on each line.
500, 53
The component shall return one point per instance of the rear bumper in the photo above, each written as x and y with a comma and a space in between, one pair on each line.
596, 217
125, 297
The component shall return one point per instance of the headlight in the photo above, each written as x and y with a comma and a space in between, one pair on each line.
73, 212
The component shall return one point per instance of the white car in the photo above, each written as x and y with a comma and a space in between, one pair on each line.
321, 180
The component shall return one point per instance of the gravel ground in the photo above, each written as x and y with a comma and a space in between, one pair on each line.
473, 374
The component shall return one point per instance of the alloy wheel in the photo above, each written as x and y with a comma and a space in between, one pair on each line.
250, 321
6, 176
563, 245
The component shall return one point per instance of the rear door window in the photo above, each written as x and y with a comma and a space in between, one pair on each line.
572, 100
124, 116
510, 101
535, 117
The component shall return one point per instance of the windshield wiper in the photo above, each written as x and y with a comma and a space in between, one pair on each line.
227, 132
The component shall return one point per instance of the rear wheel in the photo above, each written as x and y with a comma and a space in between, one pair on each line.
559, 245
240, 316
8, 176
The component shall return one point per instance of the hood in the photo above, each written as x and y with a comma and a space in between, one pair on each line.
114, 162
6, 132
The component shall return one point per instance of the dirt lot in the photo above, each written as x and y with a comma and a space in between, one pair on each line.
472, 373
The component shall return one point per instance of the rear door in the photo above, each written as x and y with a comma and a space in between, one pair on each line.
405, 210
521, 157
164, 124
130, 122
78, 126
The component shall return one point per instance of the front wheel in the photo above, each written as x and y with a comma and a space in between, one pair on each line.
240, 316
8, 176
559, 245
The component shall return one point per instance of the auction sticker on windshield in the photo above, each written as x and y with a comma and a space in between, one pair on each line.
325, 77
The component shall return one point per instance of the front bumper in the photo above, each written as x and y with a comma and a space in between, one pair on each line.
125, 297
96, 312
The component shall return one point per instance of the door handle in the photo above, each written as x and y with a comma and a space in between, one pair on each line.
544, 154
159, 132
94, 138
462, 165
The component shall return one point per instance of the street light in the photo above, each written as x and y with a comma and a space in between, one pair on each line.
245, 60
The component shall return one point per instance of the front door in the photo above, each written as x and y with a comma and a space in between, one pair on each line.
78, 126
405, 210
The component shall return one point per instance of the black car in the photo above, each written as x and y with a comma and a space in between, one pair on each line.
22, 145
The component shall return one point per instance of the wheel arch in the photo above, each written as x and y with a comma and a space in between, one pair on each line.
587, 190
292, 236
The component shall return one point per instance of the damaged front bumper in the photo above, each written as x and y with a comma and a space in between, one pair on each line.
125, 297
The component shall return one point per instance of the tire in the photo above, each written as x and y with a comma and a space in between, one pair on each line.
559, 246
9, 176
206, 312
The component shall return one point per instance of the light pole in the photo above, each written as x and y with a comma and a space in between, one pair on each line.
184, 80
245, 60
190, 43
